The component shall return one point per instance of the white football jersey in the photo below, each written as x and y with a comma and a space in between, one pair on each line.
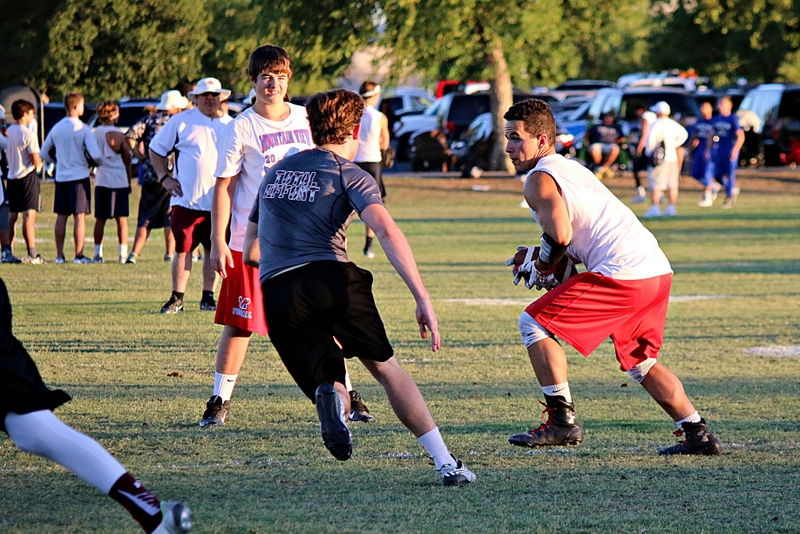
249, 146
606, 235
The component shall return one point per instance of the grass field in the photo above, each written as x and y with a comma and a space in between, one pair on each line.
140, 381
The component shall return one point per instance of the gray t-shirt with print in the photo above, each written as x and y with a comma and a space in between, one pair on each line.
304, 207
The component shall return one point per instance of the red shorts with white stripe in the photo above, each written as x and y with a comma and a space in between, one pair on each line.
590, 307
240, 303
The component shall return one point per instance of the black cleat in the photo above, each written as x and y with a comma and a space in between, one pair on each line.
208, 304
698, 441
173, 305
217, 412
335, 434
358, 410
559, 430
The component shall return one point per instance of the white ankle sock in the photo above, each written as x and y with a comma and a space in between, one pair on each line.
434, 445
123, 251
558, 390
98, 250
223, 385
347, 383
694, 418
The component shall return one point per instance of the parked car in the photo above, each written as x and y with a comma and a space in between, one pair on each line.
624, 102
777, 107
130, 111
54, 112
580, 88
402, 101
408, 125
458, 110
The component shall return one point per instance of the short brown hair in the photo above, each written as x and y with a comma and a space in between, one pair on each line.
71, 100
269, 58
537, 118
366, 87
333, 115
106, 109
19, 108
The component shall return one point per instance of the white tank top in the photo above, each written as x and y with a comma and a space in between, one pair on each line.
112, 172
369, 139
606, 235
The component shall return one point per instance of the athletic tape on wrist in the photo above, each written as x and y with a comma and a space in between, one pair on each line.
550, 251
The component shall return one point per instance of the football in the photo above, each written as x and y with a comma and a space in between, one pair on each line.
564, 268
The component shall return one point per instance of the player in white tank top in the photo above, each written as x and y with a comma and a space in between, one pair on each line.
623, 295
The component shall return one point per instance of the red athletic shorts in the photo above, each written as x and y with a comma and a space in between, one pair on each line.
240, 303
590, 307
190, 228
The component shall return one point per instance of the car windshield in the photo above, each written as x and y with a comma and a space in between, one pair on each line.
582, 113
433, 109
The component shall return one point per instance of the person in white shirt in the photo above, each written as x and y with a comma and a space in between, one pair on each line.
112, 180
257, 139
623, 294
664, 137
71, 146
372, 139
192, 135
24, 194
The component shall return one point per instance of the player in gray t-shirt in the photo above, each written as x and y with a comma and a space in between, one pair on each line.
318, 305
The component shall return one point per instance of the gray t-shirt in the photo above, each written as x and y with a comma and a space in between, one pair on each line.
304, 207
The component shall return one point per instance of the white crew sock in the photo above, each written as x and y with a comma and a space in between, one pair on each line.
223, 385
558, 390
123, 251
43, 434
434, 445
694, 418
347, 383
98, 250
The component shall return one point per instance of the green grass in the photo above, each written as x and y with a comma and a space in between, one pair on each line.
140, 381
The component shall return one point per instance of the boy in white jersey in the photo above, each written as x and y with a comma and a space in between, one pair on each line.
624, 293
23, 193
112, 180
257, 139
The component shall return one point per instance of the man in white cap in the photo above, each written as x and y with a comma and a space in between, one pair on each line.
154, 208
193, 136
663, 170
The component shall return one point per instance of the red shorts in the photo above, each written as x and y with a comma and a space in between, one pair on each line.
190, 228
240, 303
590, 307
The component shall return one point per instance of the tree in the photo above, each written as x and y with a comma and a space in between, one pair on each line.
519, 42
110, 49
727, 40
23, 37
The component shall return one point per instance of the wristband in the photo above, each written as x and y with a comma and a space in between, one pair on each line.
550, 251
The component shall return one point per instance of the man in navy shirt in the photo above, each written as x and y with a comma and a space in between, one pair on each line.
728, 139
702, 133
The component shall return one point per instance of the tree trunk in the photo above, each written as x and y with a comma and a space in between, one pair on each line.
501, 97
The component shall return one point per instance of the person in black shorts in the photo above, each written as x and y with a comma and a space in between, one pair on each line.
318, 305
26, 415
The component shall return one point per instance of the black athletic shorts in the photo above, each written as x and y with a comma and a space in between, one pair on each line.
21, 387
111, 202
376, 171
24, 194
307, 307
154, 209
73, 197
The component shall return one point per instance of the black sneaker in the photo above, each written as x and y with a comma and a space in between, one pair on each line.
217, 412
173, 305
698, 441
560, 429
335, 434
358, 410
208, 304
8, 257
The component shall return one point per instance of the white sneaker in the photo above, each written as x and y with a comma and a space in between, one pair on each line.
177, 519
715, 187
654, 211
456, 475
707, 202
731, 200
670, 211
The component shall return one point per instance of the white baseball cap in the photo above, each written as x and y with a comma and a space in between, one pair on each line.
172, 100
210, 85
660, 108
